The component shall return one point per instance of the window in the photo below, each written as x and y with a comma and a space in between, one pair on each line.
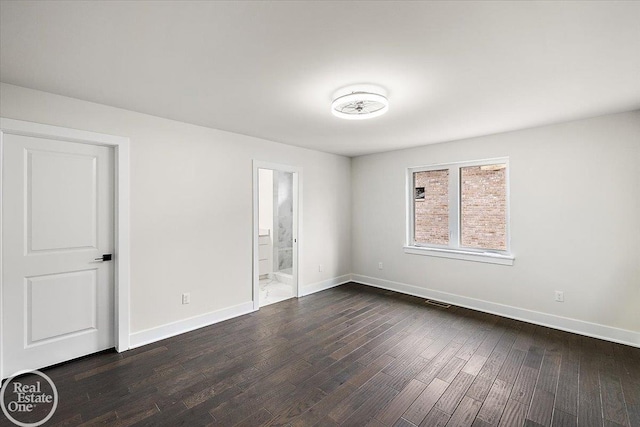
432, 211
460, 210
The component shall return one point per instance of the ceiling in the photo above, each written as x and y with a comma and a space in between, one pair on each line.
268, 69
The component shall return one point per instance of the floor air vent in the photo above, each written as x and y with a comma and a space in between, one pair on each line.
437, 303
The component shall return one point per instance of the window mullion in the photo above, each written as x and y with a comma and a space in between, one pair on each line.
411, 208
454, 207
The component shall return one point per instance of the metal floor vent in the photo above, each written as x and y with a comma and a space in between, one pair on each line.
437, 303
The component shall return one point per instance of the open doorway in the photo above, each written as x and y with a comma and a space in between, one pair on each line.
275, 233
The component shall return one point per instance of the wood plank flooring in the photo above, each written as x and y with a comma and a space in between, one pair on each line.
357, 356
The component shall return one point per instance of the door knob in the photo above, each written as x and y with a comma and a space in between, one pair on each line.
105, 257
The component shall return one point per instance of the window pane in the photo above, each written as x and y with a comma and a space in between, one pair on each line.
483, 216
431, 207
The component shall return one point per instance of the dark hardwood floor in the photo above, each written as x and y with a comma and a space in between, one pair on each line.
356, 356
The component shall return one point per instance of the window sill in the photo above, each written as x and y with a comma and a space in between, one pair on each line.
487, 257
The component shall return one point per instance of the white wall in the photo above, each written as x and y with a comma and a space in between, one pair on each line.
575, 215
575, 225
191, 205
265, 199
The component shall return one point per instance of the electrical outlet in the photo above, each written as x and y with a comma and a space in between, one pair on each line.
559, 296
320, 268
380, 266
186, 298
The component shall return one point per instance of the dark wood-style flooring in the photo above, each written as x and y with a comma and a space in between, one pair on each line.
356, 356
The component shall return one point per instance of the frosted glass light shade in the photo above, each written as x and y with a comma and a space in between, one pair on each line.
359, 106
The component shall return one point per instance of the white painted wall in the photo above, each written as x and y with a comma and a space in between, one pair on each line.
191, 205
265, 199
575, 221
575, 214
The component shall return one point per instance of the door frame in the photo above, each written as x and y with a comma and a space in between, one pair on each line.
297, 225
121, 213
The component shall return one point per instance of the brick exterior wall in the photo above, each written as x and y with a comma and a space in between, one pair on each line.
483, 207
432, 212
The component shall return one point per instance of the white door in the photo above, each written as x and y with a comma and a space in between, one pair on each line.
57, 218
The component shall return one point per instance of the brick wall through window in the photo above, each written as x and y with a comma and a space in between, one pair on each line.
432, 212
483, 222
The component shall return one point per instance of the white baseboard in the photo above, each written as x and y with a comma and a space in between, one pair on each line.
158, 333
148, 336
622, 336
581, 327
325, 284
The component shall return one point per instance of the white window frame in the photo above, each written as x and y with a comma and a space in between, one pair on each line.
454, 249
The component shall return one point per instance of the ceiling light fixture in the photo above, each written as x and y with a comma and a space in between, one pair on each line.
359, 105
